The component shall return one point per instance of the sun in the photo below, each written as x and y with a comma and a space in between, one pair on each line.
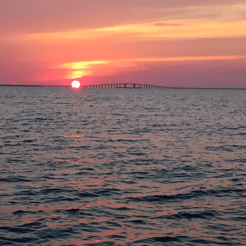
75, 84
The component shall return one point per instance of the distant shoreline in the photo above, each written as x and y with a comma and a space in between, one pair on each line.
66, 86
38, 85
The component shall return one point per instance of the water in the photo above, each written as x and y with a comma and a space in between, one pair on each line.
122, 167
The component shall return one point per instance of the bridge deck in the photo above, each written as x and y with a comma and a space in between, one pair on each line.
126, 85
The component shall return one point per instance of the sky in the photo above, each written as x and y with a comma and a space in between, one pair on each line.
181, 43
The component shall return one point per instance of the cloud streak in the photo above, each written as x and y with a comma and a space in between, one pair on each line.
180, 30
85, 68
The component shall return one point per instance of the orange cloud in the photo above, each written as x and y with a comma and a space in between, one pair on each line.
101, 68
185, 29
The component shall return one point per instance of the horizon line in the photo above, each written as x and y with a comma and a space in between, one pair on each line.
167, 87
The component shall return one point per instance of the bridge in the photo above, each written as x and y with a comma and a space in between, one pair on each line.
126, 85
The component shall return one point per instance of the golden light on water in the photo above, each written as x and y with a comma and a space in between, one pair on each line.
75, 84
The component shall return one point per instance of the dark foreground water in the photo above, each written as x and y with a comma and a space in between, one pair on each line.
122, 167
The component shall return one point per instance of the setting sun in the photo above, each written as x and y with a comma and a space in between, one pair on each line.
75, 84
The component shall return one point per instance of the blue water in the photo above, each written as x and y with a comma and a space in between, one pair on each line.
122, 166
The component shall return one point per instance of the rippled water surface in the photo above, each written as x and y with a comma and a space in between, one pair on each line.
122, 166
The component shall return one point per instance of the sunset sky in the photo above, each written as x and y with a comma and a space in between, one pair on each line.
173, 43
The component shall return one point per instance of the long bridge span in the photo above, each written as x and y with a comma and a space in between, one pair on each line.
126, 85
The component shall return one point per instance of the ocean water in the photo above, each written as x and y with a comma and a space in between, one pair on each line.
122, 166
